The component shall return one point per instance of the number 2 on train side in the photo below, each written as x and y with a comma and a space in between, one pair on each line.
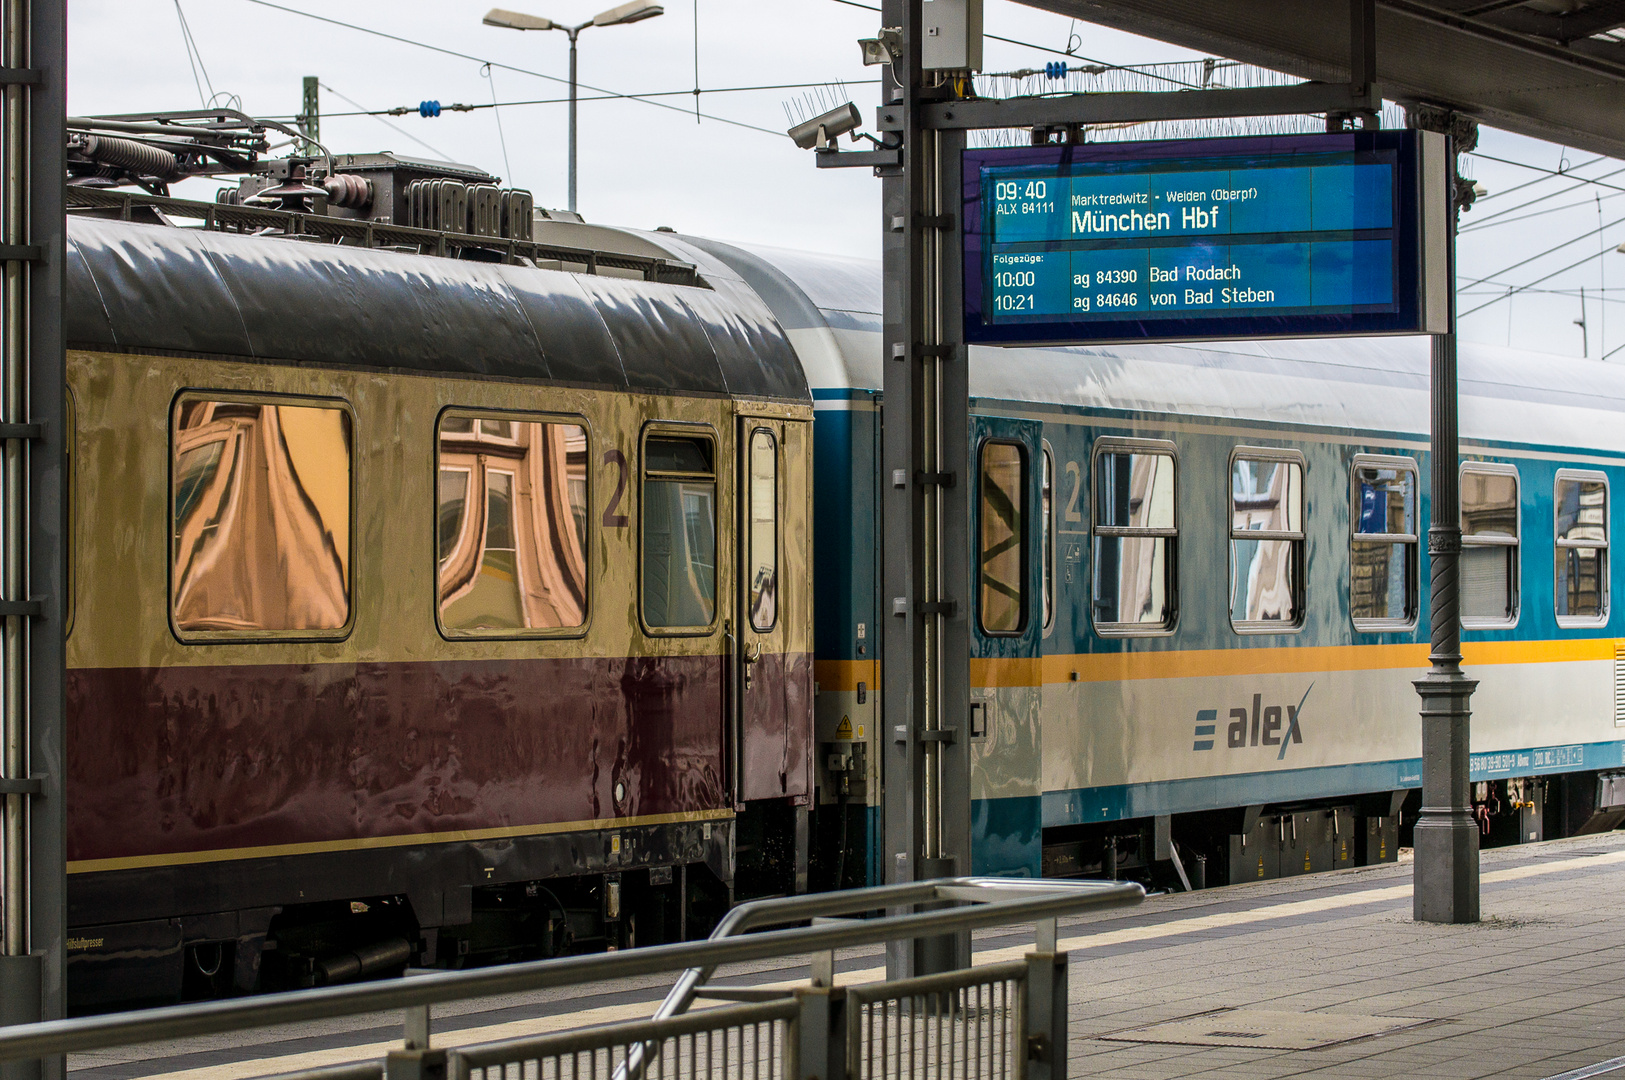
612, 520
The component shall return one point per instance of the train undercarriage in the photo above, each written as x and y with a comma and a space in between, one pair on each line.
267, 925
1258, 843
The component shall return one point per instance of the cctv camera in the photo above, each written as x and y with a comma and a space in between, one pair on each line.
823, 130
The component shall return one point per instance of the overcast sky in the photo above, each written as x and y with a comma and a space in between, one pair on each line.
643, 166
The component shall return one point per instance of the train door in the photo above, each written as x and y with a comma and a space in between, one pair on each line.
772, 724
1007, 625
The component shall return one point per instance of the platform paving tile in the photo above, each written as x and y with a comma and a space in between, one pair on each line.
1535, 989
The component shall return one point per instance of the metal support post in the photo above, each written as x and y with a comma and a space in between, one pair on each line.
1445, 883
416, 1060
902, 504
310, 117
950, 753
925, 665
33, 521
1045, 1015
415, 1027
820, 1046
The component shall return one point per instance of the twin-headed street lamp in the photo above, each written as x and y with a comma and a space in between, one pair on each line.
636, 11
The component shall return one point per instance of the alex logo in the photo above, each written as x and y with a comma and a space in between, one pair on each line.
1263, 725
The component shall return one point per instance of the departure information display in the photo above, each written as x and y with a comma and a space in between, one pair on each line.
1254, 237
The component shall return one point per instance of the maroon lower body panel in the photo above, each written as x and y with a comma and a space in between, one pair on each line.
777, 721
166, 761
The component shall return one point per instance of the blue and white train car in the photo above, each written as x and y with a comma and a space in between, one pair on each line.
1200, 602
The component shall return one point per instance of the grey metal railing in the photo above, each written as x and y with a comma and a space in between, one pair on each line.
803, 1033
748, 1041
962, 1025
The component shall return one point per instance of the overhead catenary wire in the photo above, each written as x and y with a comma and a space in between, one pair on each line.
1548, 251
496, 111
1568, 174
1495, 218
406, 110
506, 67
1501, 287
1504, 192
1488, 224
1524, 288
393, 127
194, 58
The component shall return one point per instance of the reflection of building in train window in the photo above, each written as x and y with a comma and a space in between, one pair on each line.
1489, 544
763, 561
1266, 539
260, 495
511, 525
1002, 539
1383, 544
679, 529
1581, 502
1135, 536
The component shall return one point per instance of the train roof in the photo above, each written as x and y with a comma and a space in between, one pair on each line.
830, 305
141, 287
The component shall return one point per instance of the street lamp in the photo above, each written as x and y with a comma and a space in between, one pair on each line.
636, 11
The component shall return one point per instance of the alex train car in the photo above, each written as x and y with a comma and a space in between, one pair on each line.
1196, 663
425, 611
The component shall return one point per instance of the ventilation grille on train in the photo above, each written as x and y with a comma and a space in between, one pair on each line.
1619, 684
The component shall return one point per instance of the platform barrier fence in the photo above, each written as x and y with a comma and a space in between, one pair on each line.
747, 1042
964, 1025
997, 1021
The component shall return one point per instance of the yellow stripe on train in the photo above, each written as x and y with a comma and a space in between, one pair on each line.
1194, 663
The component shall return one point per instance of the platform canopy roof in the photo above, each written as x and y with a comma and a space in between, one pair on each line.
1552, 69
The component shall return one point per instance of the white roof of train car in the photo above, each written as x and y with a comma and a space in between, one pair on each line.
1366, 384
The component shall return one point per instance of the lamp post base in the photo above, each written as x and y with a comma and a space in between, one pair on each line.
1445, 878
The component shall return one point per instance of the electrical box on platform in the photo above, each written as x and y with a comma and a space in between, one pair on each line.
953, 35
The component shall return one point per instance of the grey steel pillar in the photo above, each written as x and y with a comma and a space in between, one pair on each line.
573, 35
33, 53
1445, 880
924, 507
902, 504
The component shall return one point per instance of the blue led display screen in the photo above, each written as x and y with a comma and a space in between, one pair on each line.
1299, 235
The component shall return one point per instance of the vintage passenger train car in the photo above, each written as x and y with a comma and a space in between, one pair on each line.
442, 610
425, 610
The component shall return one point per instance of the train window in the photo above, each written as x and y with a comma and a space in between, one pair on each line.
679, 511
1001, 552
1266, 539
764, 530
1135, 536
1489, 539
510, 526
1581, 502
1384, 544
1046, 465
260, 496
